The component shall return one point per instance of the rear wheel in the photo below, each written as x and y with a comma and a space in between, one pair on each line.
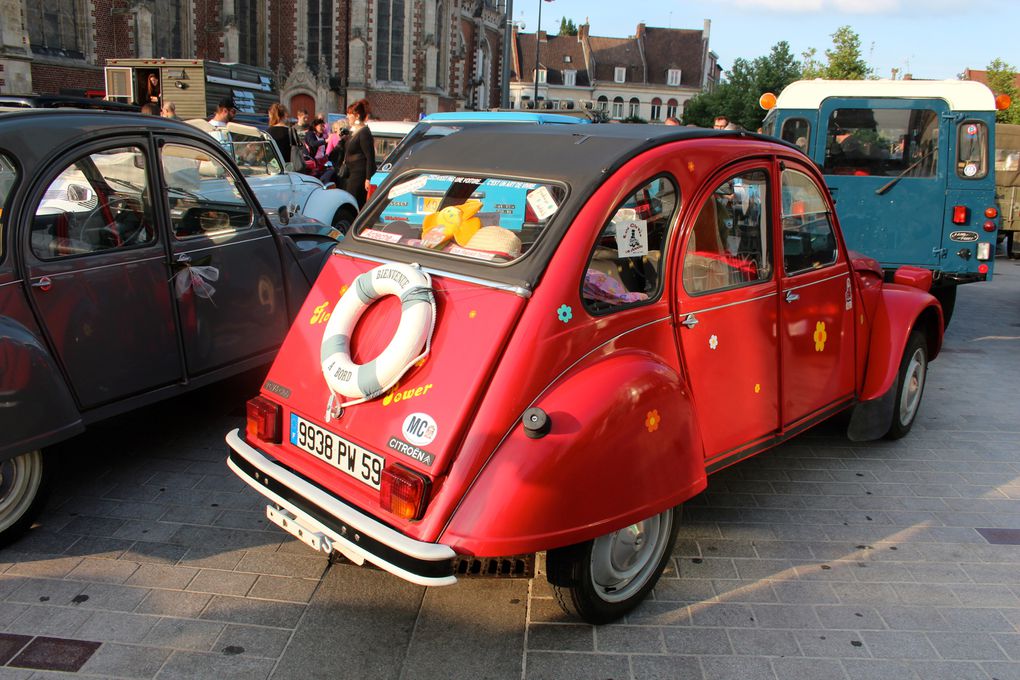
22, 493
601, 580
909, 385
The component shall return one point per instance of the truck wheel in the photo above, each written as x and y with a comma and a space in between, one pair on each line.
601, 580
22, 493
343, 218
946, 295
909, 385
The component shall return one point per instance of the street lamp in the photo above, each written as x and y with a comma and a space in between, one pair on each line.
538, 44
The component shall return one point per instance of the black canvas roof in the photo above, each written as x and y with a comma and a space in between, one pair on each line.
580, 156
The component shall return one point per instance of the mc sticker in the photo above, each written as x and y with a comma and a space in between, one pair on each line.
419, 429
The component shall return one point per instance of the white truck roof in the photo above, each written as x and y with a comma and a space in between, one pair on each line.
960, 95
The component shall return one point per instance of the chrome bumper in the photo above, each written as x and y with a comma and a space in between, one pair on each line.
350, 531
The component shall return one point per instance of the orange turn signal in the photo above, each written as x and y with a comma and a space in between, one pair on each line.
1003, 102
767, 101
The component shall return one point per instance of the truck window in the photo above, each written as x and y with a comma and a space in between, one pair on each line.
797, 131
972, 150
889, 142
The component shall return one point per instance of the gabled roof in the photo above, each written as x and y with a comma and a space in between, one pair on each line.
608, 53
552, 52
674, 48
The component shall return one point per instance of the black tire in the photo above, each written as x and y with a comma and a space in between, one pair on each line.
946, 295
600, 580
23, 489
909, 385
343, 218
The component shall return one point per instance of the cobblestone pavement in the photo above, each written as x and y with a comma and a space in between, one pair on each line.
820, 559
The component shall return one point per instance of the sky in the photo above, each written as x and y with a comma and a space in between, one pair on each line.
932, 39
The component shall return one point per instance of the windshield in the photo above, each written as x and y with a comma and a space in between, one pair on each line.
481, 218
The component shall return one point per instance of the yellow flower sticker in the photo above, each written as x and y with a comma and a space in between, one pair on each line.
820, 336
343, 289
652, 420
472, 314
757, 388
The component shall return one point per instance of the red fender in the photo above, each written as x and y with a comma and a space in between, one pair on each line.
900, 309
614, 455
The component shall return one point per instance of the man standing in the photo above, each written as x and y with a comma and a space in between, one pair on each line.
225, 112
720, 122
169, 110
672, 120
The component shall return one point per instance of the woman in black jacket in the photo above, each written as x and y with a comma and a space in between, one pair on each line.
358, 152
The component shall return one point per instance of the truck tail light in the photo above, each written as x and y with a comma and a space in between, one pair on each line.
984, 251
991, 213
960, 214
989, 225
264, 419
403, 492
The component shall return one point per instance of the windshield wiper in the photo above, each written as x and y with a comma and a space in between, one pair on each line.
889, 185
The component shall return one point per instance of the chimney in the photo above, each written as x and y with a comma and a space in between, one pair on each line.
640, 33
541, 36
582, 31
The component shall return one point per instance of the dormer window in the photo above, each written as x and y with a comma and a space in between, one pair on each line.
541, 75
570, 78
673, 76
566, 58
621, 74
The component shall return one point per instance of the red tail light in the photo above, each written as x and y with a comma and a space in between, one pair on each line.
960, 214
264, 420
991, 213
371, 190
403, 492
989, 225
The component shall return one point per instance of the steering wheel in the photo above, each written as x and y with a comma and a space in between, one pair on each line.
96, 230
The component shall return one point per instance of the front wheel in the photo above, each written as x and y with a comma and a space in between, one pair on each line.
909, 386
343, 218
601, 580
22, 493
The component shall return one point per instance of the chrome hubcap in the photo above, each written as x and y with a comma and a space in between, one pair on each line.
910, 398
20, 479
622, 562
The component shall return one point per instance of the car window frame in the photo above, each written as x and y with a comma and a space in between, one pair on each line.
8, 201
711, 184
829, 212
216, 151
57, 165
667, 239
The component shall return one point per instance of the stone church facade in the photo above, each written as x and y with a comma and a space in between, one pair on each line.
407, 57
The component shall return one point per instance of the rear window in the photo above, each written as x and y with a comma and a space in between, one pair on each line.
490, 219
885, 142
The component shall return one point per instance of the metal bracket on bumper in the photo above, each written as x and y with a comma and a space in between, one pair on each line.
350, 531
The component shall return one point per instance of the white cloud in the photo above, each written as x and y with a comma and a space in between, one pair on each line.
917, 7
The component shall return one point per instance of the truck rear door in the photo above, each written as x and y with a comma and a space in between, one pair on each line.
886, 163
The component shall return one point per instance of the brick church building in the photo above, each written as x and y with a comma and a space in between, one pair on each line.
405, 56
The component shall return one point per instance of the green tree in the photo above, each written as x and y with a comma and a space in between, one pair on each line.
737, 97
845, 60
810, 67
1002, 80
567, 27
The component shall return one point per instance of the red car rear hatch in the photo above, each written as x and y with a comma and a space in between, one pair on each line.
420, 422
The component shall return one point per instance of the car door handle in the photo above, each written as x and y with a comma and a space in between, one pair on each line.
690, 321
43, 284
791, 296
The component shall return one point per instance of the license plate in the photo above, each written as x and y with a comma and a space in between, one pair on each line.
429, 204
364, 466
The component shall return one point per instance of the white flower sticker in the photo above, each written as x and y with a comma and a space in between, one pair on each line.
713, 342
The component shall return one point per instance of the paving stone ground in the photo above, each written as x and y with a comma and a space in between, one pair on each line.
820, 559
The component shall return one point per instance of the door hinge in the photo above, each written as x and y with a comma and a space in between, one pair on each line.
939, 253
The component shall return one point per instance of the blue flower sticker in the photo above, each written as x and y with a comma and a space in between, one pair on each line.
565, 313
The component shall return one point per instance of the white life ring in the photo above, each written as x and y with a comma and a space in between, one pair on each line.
362, 382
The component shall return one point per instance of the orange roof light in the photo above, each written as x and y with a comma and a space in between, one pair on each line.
1003, 102
767, 101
